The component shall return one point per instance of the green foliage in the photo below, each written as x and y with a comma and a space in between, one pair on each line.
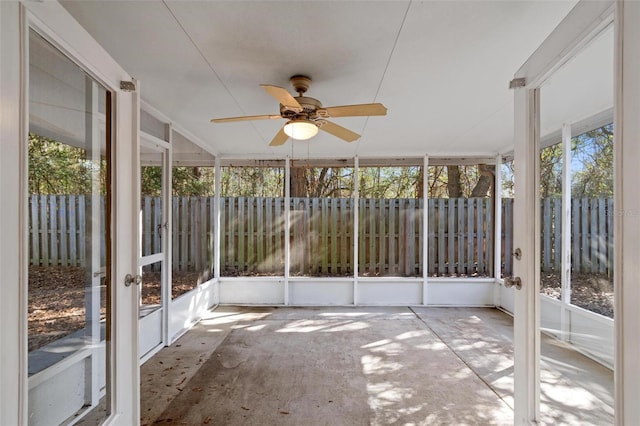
551, 171
186, 181
591, 166
193, 181
252, 182
592, 154
58, 168
390, 182
506, 171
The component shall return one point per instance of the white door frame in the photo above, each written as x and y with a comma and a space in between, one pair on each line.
164, 148
627, 207
51, 20
585, 21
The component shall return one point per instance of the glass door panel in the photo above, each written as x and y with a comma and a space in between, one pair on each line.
69, 225
576, 238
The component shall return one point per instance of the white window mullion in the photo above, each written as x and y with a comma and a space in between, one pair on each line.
287, 230
216, 212
425, 227
565, 277
356, 230
497, 234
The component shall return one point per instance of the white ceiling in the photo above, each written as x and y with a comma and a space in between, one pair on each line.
441, 68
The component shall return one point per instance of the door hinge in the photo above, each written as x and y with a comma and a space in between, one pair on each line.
517, 83
128, 86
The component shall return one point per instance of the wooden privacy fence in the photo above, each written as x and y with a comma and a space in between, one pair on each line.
390, 243
591, 235
60, 230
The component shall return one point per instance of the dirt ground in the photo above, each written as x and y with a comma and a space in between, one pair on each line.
57, 297
57, 300
593, 292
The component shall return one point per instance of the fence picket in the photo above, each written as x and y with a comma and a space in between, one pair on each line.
508, 236
480, 240
460, 235
576, 256
602, 236
391, 232
35, 230
442, 214
74, 232
472, 232
431, 217
393, 238
62, 221
345, 248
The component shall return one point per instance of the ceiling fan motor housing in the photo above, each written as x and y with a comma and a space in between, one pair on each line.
310, 106
300, 83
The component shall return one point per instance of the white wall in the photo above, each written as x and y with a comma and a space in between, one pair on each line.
309, 291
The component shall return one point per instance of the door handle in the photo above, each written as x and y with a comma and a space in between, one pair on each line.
132, 279
513, 282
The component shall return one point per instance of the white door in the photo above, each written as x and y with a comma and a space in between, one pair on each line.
154, 224
559, 95
81, 231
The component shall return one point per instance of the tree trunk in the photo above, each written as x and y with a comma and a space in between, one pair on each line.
454, 186
298, 182
485, 181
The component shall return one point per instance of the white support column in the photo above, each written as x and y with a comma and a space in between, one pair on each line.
287, 225
356, 226
13, 250
526, 337
565, 267
497, 229
167, 234
216, 212
425, 227
627, 212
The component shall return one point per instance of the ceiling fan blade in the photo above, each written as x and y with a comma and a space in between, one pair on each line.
339, 131
245, 118
283, 96
280, 138
356, 110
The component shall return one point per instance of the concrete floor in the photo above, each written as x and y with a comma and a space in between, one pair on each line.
361, 366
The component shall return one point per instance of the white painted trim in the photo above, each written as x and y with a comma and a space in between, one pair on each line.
627, 208
372, 291
125, 356
13, 346
167, 234
577, 29
425, 227
356, 227
526, 223
287, 228
152, 258
497, 229
151, 141
216, 194
565, 268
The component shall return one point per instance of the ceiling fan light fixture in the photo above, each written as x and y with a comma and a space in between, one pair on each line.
300, 129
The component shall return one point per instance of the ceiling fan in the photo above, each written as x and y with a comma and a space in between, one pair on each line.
306, 115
